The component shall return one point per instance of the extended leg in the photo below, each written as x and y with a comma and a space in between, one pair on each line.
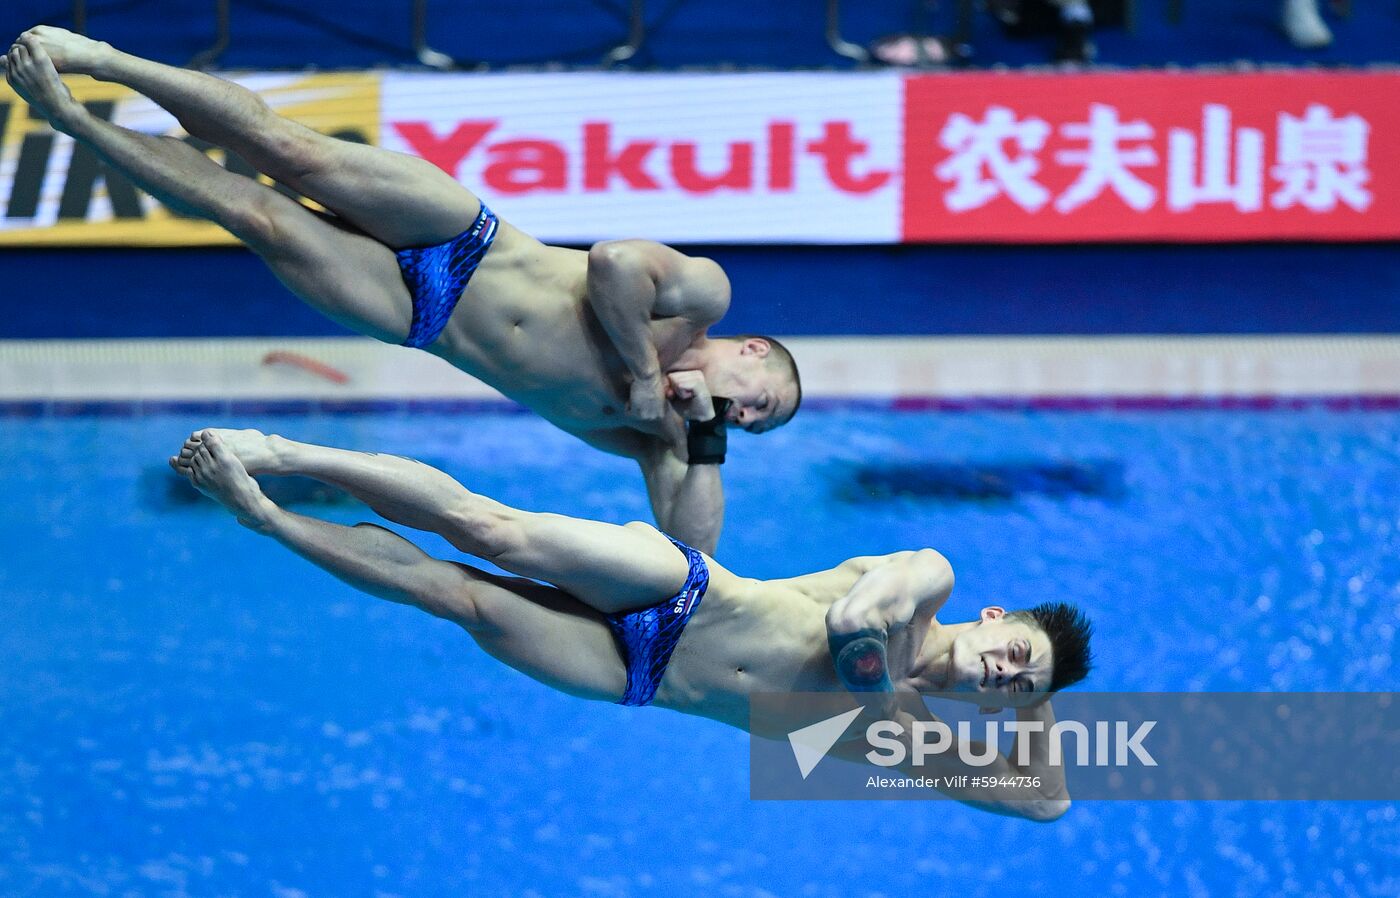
535, 629
608, 567
398, 199
345, 275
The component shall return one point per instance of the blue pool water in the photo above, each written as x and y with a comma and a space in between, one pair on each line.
187, 709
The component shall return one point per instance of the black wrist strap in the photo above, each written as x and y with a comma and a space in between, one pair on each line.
706, 441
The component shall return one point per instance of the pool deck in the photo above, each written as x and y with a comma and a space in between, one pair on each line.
918, 372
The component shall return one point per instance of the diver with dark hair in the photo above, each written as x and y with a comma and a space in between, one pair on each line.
627, 614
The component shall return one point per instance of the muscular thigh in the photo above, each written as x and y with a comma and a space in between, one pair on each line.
341, 272
400, 200
607, 567
545, 634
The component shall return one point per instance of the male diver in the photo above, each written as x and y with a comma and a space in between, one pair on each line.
610, 345
627, 614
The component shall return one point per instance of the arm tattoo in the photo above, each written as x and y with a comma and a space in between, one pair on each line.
860, 660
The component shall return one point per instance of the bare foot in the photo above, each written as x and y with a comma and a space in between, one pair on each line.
255, 450
32, 75
72, 54
217, 473
180, 462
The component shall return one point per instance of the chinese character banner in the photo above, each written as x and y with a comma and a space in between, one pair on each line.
1152, 156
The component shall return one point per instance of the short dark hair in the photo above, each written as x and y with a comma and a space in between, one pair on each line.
1069, 631
780, 355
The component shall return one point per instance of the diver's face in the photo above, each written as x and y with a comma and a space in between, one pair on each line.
1003, 662
764, 396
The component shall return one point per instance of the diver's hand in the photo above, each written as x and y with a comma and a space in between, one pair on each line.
651, 411
647, 400
690, 395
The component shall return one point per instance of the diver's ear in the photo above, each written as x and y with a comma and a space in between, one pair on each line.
993, 612
756, 346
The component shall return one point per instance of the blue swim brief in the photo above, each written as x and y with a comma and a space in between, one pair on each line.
648, 636
437, 275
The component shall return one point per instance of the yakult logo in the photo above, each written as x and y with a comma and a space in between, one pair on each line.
521, 164
676, 158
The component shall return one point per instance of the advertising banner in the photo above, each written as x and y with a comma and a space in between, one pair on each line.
679, 158
1152, 156
804, 157
56, 192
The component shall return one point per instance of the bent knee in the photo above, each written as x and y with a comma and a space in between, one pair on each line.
298, 151
258, 217
461, 603
484, 529
283, 148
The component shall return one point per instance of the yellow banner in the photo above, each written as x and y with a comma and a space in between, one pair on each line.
59, 193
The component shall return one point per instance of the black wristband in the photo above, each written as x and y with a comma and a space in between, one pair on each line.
860, 660
706, 441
